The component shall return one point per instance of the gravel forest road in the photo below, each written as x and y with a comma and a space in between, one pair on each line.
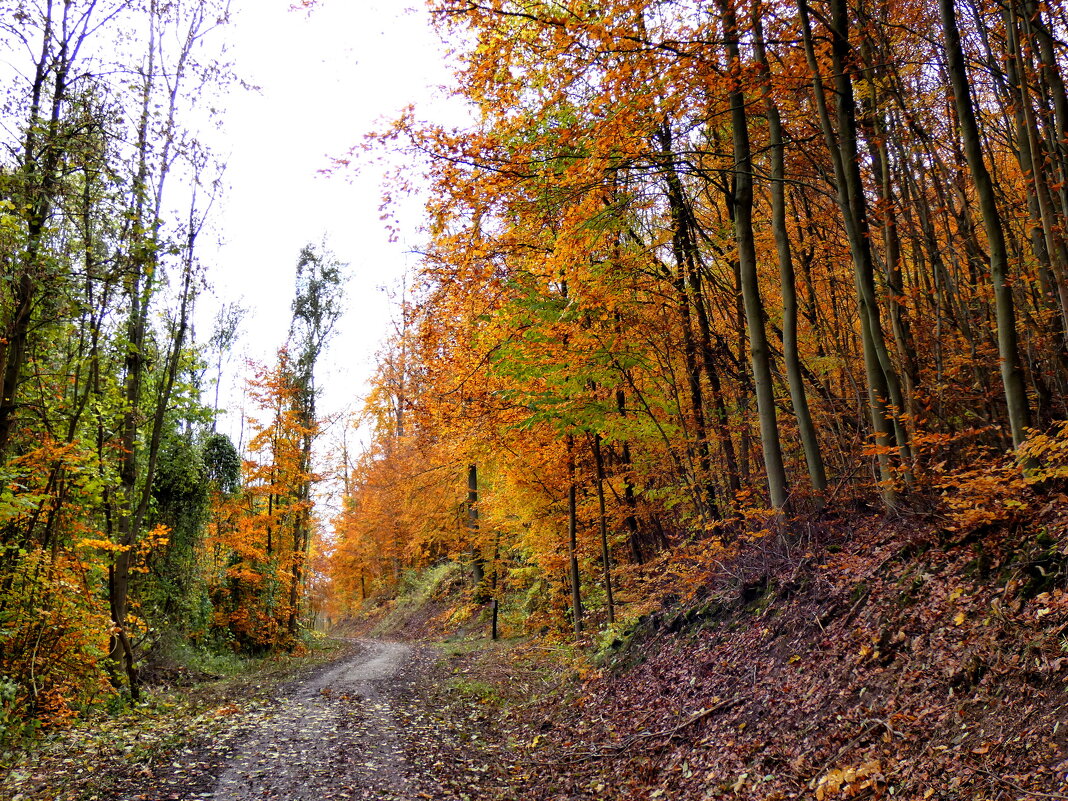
335, 736
381, 720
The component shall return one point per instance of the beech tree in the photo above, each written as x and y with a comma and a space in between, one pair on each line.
1008, 349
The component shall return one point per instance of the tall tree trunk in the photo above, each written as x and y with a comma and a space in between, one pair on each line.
572, 540
606, 554
743, 234
799, 398
882, 173
478, 570
884, 395
706, 487
1005, 307
720, 419
631, 519
1033, 154
302, 525
41, 158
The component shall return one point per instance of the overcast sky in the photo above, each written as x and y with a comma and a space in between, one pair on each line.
326, 78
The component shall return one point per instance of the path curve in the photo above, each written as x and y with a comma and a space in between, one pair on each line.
334, 737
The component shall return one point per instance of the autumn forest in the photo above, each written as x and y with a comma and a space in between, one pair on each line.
696, 279
703, 267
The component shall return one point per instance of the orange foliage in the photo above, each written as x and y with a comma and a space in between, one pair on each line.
581, 287
253, 552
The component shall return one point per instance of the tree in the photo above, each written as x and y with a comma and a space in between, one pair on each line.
747, 264
1008, 347
316, 310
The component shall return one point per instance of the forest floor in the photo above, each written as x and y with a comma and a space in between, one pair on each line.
859, 657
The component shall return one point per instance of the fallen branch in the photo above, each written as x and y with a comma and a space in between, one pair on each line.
623, 745
723, 706
1014, 786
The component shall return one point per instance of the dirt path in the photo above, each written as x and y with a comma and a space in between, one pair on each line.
383, 720
335, 736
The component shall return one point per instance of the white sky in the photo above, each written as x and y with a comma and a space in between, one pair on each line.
327, 78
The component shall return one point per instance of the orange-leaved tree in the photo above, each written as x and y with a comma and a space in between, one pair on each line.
256, 549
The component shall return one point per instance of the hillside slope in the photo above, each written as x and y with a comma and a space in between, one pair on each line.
874, 657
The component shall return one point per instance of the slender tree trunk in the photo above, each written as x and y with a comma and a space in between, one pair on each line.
884, 396
882, 173
478, 570
494, 581
720, 418
1032, 153
606, 554
572, 542
707, 492
631, 520
1056, 94
41, 158
791, 357
1005, 307
754, 305
302, 525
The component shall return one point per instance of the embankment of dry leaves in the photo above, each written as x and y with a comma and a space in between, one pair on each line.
873, 657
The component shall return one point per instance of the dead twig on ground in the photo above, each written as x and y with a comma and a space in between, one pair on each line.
1014, 786
646, 736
